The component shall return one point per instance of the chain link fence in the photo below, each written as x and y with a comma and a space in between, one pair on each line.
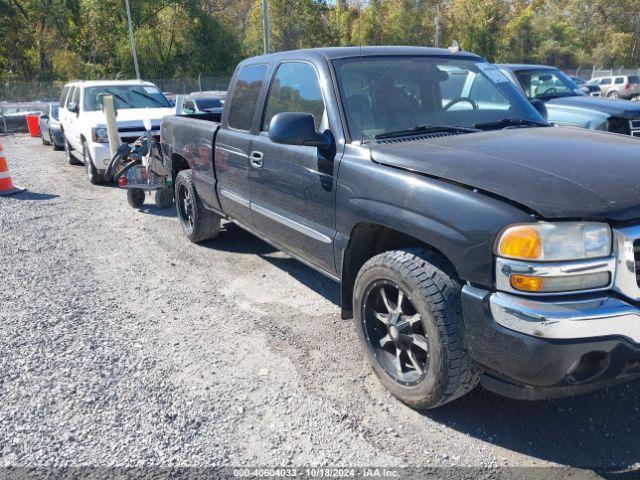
39, 91
587, 73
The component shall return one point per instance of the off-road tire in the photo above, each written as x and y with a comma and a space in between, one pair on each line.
94, 177
70, 157
436, 294
135, 197
203, 224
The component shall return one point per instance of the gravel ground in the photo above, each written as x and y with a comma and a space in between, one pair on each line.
124, 344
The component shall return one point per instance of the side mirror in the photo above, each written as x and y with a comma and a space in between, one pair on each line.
147, 124
541, 107
73, 107
295, 128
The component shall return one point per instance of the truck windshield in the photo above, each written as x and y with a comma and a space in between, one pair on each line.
390, 94
125, 96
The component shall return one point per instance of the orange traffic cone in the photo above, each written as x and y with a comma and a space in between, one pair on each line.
6, 183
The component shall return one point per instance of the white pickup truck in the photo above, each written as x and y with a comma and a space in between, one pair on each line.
83, 122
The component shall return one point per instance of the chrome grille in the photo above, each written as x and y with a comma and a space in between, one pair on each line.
636, 257
627, 253
634, 126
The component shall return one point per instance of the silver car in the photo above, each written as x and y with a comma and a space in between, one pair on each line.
619, 86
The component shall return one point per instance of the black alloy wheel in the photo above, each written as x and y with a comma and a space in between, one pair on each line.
395, 332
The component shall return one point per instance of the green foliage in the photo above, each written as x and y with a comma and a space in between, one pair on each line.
478, 24
63, 39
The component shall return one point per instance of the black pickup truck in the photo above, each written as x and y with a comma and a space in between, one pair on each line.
474, 242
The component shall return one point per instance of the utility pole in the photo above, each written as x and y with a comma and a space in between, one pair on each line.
437, 20
265, 26
133, 43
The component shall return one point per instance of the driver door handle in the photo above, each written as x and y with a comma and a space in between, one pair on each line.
256, 159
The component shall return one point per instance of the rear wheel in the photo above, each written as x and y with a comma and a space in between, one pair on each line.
93, 175
409, 321
164, 198
613, 94
197, 222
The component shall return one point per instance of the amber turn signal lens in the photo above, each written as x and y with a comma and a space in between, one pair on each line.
521, 242
526, 283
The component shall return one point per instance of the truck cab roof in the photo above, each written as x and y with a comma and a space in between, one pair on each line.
332, 53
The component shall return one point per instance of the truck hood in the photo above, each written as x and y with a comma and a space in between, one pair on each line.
618, 108
130, 117
558, 172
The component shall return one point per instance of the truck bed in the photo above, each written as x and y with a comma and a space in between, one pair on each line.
190, 139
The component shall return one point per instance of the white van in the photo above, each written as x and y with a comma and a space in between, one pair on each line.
84, 124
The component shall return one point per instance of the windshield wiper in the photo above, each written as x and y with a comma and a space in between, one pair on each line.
511, 122
118, 97
158, 102
418, 129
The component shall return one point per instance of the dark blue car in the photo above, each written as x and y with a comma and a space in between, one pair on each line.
568, 105
50, 127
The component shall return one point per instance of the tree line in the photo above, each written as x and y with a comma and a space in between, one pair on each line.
66, 39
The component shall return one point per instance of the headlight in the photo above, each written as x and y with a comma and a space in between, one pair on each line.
100, 135
552, 258
555, 241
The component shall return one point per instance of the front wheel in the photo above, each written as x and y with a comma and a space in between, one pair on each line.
409, 321
613, 94
135, 197
70, 156
93, 175
197, 222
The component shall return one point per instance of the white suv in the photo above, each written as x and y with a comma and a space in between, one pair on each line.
84, 124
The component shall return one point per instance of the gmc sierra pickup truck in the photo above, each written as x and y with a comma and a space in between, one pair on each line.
474, 242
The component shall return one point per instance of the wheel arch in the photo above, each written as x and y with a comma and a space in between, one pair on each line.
368, 239
178, 163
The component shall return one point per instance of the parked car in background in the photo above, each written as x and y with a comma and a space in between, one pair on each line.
594, 82
427, 184
83, 122
591, 90
50, 126
203, 102
625, 87
567, 105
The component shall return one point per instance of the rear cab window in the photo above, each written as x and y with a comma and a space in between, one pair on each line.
245, 96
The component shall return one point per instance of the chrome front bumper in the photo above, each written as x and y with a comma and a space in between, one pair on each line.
566, 319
